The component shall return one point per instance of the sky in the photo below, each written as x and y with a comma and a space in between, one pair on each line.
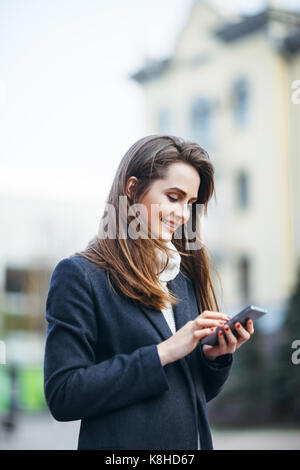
68, 109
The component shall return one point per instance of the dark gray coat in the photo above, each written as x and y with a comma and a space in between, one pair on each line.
102, 367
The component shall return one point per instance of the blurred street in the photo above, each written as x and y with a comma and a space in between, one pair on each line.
40, 432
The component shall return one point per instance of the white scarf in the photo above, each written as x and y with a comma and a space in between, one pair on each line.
173, 266
169, 273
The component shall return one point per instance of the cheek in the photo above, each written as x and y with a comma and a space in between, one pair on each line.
160, 211
155, 208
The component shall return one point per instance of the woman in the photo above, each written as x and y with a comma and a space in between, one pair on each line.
126, 316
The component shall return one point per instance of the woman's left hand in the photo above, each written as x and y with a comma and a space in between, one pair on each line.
232, 343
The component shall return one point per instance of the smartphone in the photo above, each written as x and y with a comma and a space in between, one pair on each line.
251, 311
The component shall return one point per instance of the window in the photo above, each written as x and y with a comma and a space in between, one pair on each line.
16, 280
244, 277
201, 123
240, 101
242, 190
26, 281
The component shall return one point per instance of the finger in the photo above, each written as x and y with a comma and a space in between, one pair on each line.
200, 334
250, 327
232, 340
208, 322
211, 314
222, 342
243, 334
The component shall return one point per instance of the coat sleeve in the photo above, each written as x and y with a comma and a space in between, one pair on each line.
75, 385
214, 373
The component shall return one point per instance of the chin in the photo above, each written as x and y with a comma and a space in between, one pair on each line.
163, 235
166, 237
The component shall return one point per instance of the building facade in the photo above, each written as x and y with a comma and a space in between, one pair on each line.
228, 86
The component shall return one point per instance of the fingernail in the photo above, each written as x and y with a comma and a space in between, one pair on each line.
221, 323
238, 325
250, 321
226, 328
220, 333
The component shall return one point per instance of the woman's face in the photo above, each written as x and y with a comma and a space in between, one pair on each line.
166, 203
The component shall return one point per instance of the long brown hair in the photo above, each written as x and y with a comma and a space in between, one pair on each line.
131, 263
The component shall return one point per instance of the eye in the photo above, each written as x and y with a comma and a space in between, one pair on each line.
172, 198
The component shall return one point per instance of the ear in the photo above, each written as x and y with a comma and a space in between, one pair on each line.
131, 186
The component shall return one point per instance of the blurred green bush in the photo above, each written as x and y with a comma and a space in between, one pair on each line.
29, 388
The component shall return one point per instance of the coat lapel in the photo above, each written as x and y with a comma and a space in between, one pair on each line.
181, 310
157, 319
182, 315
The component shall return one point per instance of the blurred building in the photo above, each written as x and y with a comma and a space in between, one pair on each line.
228, 86
35, 235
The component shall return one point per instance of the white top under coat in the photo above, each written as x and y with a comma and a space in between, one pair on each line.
169, 273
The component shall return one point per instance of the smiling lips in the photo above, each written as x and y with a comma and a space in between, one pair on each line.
171, 225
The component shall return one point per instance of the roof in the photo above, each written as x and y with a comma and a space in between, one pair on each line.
233, 31
151, 70
249, 24
230, 32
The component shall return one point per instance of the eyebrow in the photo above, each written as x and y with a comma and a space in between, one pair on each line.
175, 188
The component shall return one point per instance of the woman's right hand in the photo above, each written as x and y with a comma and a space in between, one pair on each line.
187, 337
